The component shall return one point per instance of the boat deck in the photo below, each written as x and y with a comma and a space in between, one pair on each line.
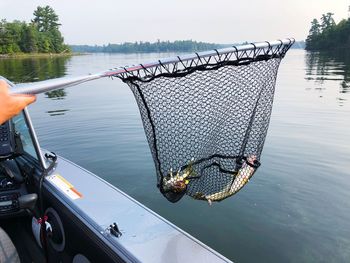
146, 236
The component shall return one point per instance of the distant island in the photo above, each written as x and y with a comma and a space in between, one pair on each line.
159, 46
327, 35
147, 47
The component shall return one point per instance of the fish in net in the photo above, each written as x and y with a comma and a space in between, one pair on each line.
206, 119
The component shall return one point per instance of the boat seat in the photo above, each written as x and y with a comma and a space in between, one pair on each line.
8, 251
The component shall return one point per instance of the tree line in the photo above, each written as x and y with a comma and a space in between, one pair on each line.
144, 47
327, 35
41, 35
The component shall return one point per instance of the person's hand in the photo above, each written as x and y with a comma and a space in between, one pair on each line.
11, 105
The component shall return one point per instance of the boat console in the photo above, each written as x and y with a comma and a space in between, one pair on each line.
14, 197
10, 191
7, 140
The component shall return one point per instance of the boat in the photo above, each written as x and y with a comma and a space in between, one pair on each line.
52, 210
88, 219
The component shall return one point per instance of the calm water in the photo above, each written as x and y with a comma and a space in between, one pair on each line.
295, 209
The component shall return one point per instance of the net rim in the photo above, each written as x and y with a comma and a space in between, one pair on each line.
235, 56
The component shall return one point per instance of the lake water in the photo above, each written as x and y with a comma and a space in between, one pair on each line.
297, 206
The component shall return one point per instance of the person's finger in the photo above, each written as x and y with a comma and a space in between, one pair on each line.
28, 99
23, 100
31, 99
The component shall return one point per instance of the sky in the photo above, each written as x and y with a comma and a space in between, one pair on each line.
216, 21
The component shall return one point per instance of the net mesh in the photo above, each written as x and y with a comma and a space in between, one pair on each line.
206, 124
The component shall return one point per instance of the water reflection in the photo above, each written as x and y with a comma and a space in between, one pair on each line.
56, 112
329, 66
59, 94
35, 69
345, 86
56, 94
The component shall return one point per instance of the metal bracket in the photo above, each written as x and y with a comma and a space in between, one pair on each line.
114, 230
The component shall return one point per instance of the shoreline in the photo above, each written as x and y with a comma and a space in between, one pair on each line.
39, 55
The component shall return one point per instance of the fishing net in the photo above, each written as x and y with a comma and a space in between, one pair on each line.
206, 119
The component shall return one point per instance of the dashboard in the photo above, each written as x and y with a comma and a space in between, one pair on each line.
14, 197
12, 187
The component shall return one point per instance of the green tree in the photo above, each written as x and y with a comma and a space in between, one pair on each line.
10, 36
327, 21
56, 40
314, 33
29, 39
315, 29
44, 44
328, 35
45, 19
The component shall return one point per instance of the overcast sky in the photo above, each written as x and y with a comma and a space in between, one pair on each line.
217, 21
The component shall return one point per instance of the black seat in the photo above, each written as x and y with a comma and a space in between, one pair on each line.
8, 252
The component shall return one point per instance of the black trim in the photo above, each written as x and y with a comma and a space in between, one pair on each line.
203, 67
153, 130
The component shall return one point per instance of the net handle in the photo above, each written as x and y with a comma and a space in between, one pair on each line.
65, 82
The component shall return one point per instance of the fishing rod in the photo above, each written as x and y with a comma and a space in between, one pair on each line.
266, 48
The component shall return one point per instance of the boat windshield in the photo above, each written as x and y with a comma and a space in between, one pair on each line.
21, 127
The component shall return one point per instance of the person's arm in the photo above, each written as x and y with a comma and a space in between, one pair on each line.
11, 105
